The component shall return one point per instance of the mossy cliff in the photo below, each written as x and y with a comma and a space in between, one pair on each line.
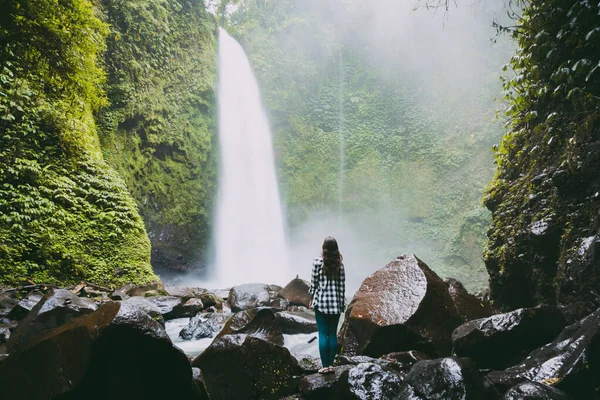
65, 215
105, 113
158, 130
545, 197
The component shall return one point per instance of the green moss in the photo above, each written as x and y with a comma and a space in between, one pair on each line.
65, 215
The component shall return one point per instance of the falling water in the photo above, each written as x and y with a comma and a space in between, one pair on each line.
341, 134
249, 229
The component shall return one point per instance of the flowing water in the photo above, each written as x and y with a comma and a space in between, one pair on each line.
249, 230
341, 135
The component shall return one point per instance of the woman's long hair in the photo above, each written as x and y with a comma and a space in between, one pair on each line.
332, 258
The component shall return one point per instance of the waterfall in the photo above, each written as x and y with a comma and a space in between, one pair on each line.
341, 135
249, 231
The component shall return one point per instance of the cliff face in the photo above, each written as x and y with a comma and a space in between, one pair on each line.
158, 131
65, 215
545, 197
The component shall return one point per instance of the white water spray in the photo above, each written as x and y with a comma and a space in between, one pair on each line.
249, 230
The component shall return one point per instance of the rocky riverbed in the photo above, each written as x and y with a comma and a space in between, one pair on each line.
406, 334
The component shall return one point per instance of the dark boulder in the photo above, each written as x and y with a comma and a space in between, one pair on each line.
296, 292
243, 367
5, 332
7, 303
388, 365
308, 364
317, 386
172, 307
504, 339
199, 381
571, 362
204, 325
116, 352
293, 322
23, 307
257, 322
252, 295
445, 379
54, 309
366, 381
469, 307
406, 359
535, 391
404, 306
148, 307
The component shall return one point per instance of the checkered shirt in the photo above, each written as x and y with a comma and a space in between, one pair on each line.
328, 294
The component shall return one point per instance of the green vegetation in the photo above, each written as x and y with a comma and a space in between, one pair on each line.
65, 215
548, 162
158, 130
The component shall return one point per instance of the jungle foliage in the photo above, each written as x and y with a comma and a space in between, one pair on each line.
65, 215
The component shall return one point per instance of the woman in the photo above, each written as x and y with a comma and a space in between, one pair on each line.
327, 288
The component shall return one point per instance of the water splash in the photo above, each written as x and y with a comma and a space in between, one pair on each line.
249, 230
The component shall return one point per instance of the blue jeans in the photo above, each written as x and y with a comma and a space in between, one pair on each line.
327, 326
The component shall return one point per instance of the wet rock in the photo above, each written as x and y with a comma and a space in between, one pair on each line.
404, 306
239, 366
503, 339
318, 386
199, 381
7, 303
118, 295
449, 378
257, 322
148, 307
211, 300
535, 391
308, 364
152, 288
296, 292
116, 352
571, 362
366, 381
252, 295
469, 307
388, 365
406, 359
172, 307
297, 322
204, 325
184, 291
54, 309
4, 333
22, 308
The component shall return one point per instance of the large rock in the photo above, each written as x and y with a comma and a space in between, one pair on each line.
211, 300
54, 309
144, 290
257, 322
469, 307
404, 306
535, 391
252, 295
172, 307
184, 291
23, 307
318, 386
296, 292
297, 322
204, 325
570, 363
445, 379
148, 307
504, 339
366, 381
116, 352
244, 367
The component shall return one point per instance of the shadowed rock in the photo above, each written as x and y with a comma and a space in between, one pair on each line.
23, 307
570, 363
297, 322
296, 292
243, 367
504, 339
252, 295
445, 379
469, 307
116, 352
366, 381
172, 307
317, 386
7, 303
54, 309
535, 391
404, 306
257, 322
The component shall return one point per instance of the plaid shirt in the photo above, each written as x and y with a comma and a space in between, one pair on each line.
328, 294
